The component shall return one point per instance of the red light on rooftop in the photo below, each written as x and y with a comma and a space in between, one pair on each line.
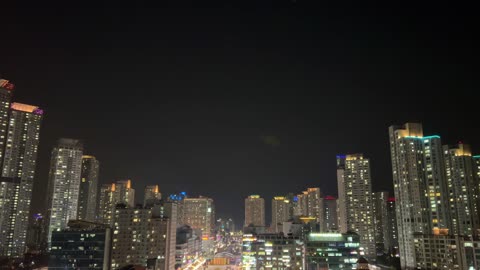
330, 198
391, 199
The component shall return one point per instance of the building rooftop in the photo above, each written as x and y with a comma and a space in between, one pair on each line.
26, 108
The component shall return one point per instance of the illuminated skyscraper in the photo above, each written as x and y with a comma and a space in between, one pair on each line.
152, 195
314, 203
355, 199
254, 211
199, 213
281, 211
87, 199
64, 184
380, 219
330, 218
462, 185
419, 185
18, 157
120, 192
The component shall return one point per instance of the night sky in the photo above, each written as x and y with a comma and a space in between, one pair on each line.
227, 99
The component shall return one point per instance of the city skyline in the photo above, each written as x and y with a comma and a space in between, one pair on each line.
267, 222
425, 173
238, 104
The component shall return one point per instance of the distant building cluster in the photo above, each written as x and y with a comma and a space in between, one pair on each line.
432, 222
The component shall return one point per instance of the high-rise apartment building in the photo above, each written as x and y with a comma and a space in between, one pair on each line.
144, 235
380, 219
199, 213
281, 211
19, 138
462, 184
309, 203
313, 203
120, 192
254, 211
124, 193
355, 199
130, 236
106, 203
419, 185
64, 184
152, 195
87, 198
330, 218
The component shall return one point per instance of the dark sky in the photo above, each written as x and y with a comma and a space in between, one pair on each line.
227, 99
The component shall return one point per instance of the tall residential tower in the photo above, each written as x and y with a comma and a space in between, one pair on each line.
254, 211
120, 192
462, 184
281, 212
419, 185
19, 138
199, 213
64, 184
355, 199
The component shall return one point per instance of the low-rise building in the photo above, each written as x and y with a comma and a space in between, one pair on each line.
83, 245
276, 251
188, 245
332, 250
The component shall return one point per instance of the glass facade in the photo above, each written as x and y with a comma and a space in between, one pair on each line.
85, 248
